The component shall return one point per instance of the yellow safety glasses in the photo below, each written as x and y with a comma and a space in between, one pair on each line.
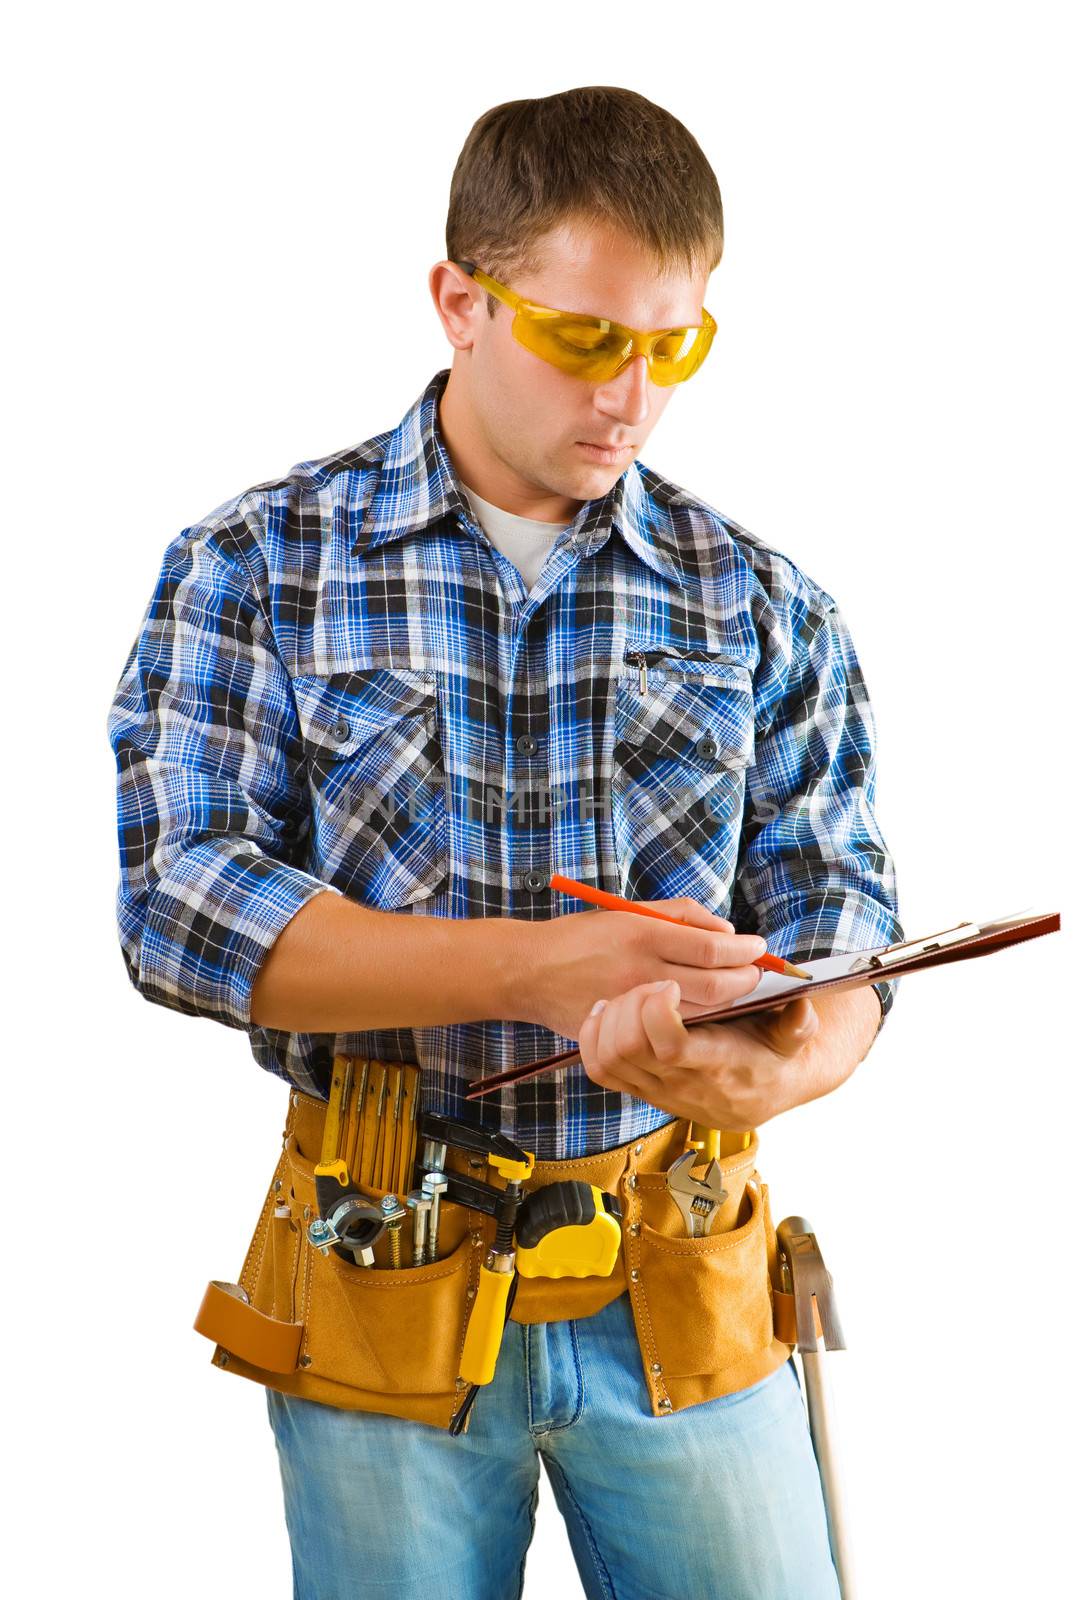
594, 347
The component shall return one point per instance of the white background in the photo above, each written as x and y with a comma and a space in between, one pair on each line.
220, 215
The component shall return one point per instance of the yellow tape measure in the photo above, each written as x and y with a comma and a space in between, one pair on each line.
566, 1231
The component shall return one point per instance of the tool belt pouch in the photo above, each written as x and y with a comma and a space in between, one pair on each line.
390, 1340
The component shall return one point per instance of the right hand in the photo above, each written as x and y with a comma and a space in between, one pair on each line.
585, 956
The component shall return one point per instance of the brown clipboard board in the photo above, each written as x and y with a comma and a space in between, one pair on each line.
850, 970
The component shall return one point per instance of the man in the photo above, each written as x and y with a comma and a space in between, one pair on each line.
498, 612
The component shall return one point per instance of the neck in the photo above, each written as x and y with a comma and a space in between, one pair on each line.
482, 471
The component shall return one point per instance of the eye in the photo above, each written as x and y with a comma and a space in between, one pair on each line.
584, 338
675, 344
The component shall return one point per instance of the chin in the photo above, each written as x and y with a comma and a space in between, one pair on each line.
604, 480
584, 481
592, 482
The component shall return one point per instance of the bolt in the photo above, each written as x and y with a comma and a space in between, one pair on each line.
435, 1187
419, 1204
435, 1154
393, 1212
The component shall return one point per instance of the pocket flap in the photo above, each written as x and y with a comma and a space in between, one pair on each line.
342, 710
689, 718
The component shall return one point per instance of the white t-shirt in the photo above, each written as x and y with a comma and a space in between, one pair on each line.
526, 543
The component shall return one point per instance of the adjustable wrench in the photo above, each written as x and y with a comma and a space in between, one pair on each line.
698, 1199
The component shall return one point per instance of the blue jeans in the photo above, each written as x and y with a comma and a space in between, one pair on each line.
721, 1500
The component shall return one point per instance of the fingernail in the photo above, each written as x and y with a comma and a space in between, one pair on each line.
599, 1005
665, 983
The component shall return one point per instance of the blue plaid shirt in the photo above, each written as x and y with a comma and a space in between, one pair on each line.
340, 683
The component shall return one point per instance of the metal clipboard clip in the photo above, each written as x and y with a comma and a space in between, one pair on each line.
917, 947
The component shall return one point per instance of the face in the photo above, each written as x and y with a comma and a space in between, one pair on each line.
528, 431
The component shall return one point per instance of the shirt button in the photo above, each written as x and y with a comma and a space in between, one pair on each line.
526, 744
534, 881
342, 731
707, 746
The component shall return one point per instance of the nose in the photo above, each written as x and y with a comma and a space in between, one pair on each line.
625, 397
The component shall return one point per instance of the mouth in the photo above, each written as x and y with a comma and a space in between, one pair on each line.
607, 454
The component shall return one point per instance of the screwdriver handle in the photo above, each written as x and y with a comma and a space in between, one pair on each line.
706, 1140
486, 1329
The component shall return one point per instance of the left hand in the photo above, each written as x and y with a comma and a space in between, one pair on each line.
733, 1076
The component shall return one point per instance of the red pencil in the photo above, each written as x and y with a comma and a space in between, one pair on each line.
616, 902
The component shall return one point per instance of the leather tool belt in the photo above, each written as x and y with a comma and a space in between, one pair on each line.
708, 1316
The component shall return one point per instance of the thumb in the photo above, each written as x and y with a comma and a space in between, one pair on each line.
791, 1025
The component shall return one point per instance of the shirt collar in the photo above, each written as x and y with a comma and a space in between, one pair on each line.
416, 486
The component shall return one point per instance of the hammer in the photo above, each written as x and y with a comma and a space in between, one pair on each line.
805, 1277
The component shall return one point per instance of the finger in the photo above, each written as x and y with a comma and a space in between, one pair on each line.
596, 1060
588, 1036
625, 1031
624, 1046
663, 1025
608, 1033
705, 990
691, 911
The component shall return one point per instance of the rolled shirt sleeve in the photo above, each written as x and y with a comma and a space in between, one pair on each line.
211, 810
815, 877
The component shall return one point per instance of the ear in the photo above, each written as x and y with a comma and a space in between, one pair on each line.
459, 303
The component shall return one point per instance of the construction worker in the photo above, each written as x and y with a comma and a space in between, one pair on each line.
454, 613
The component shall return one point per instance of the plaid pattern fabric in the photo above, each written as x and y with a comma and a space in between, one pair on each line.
340, 683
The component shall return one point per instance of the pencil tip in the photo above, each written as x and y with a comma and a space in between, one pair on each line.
796, 972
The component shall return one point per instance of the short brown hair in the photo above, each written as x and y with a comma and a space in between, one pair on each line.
597, 154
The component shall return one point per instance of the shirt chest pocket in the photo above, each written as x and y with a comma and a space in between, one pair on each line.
684, 737
374, 764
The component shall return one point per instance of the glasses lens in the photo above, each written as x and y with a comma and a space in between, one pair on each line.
588, 346
595, 349
675, 345
591, 338
677, 354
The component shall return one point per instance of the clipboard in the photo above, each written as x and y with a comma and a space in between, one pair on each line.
853, 970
